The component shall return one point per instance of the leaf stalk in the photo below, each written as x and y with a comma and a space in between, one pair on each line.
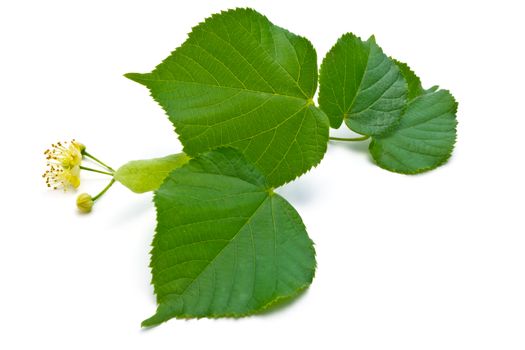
350, 139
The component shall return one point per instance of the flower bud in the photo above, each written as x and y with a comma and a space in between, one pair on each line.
81, 147
84, 202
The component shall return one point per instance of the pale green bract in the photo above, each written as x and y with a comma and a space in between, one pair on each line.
147, 175
362, 86
425, 137
241, 81
225, 245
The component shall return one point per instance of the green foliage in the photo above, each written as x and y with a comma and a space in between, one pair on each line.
424, 138
362, 86
239, 92
147, 175
241, 81
413, 129
426, 134
225, 244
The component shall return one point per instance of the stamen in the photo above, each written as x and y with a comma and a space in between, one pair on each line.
63, 161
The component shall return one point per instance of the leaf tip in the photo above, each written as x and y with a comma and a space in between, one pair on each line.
136, 77
152, 321
433, 89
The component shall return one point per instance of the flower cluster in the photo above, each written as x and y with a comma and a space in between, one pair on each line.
63, 165
63, 170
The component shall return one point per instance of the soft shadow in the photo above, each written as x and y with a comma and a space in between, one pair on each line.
300, 191
139, 206
354, 146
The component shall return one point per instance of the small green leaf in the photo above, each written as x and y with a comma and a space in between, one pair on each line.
362, 86
424, 138
147, 175
241, 81
225, 245
414, 83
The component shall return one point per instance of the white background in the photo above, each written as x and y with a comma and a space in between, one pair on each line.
435, 261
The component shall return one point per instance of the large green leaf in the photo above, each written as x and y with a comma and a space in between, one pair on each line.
225, 244
362, 86
424, 138
240, 81
147, 175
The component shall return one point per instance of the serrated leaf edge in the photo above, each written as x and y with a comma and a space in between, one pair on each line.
434, 89
274, 301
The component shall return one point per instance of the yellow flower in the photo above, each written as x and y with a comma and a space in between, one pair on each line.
67, 154
61, 178
63, 165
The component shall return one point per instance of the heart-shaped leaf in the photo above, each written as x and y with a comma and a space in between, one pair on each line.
225, 244
241, 81
424, 138
362, 86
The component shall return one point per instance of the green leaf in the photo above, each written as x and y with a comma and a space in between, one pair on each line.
424, 138
362, 86
414, 83
147, 175
241, 81
225, 245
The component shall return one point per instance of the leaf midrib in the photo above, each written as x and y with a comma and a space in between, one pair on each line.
139, 78
267, 197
